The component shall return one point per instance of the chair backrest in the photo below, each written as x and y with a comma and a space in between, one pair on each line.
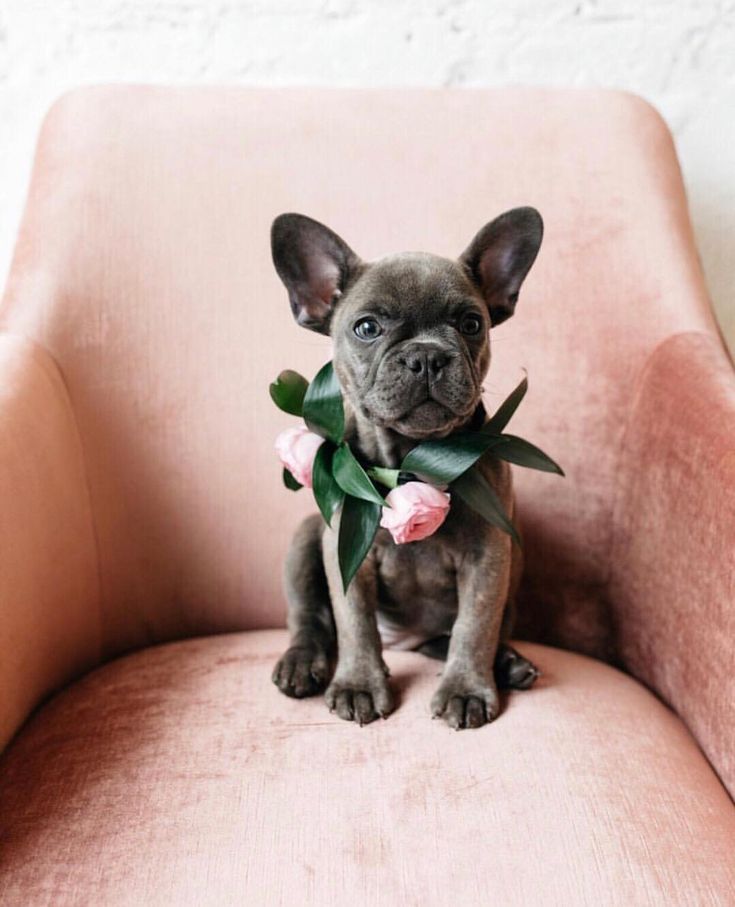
144, 267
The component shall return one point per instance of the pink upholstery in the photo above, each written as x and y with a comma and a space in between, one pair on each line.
681, 429
142, 503
180, 776
49, 594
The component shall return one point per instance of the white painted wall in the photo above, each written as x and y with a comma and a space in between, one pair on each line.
680, 54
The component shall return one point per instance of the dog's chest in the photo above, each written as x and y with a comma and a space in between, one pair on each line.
417, 590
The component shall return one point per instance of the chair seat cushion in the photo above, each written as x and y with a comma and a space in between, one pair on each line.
180, 775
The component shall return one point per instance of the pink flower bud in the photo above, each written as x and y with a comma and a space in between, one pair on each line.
416, 511
296, 449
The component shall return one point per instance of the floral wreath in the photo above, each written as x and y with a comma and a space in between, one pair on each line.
316, 455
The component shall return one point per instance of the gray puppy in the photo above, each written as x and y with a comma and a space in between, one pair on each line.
411, 348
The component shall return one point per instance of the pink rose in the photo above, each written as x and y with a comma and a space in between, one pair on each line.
416, 511
296, 449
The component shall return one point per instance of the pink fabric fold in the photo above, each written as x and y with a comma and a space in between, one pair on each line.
49, 592
673, 562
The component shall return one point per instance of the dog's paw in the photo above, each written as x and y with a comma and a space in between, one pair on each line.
465, 703
361, 699
512, 670
302, 671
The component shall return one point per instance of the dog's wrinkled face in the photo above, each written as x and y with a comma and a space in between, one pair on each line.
411, 344
410, 331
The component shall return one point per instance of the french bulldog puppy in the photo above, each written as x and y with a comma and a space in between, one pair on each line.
411, 347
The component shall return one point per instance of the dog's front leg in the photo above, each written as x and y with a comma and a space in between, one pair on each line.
359, 690
467, 696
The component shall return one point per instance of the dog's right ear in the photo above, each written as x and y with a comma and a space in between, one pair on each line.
315, 266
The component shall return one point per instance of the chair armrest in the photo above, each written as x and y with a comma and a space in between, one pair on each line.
673, 567
49, 588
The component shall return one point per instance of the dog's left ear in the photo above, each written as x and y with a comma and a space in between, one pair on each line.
501, 255
314, 264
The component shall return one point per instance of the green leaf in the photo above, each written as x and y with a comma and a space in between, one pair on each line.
323, 410
289, 481
387, 477
523, 453
502, 415
352, 478
327, 493
288, 391
445, 460
357, 527
475, 490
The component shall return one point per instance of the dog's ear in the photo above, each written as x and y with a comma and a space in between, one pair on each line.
315, 266
501, 255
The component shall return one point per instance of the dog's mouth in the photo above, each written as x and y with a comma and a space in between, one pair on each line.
426, 419
421, 406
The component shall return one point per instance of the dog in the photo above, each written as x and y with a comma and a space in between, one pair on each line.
411, 347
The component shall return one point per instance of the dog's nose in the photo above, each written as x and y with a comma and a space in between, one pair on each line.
415, 362
423, 361
437, 360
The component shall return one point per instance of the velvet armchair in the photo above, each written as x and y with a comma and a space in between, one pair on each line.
148, 758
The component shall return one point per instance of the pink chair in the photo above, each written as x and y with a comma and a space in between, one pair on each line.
142, 504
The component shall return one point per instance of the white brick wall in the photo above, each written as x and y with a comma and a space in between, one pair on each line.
680, 54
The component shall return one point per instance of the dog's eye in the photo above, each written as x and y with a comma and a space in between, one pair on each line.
368, 329
470, 324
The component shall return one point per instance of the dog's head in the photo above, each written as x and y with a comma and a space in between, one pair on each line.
410, 331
